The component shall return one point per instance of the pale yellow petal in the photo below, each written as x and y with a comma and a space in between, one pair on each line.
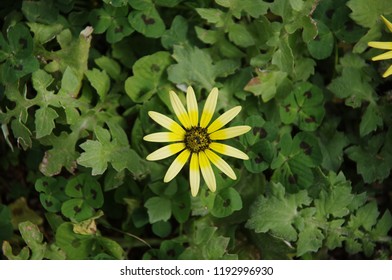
388, 72
194, 174
163, 137
224, 119
207, 172
179, 109
387, 23
176, 165
193, 110
381, 45
386, 55
209, 108
230, 132
166, 122
221, 164
166, 151
228, 150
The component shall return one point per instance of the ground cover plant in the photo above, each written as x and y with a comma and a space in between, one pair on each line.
303, 98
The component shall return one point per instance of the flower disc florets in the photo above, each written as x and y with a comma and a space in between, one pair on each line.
197, 139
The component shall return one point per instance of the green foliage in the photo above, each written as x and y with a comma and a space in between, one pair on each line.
327, 219
78, 78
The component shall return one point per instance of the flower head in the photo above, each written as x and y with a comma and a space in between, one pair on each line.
384, 46
196, 140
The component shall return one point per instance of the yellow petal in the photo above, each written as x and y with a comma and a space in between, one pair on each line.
221, 164
191, 102
224, 119
386, 55
209, 108
166, 122
179, 110
228, 150
176, 165
166, 151
207, 172
163, 137
387, 23
194, 174
381, 45
388, 72
230, 132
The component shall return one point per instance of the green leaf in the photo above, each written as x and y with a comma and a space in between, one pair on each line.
44, 121
20, 41
296, 158
77, 209
110, 246
62, 154
266, 84
51, 192
214, 16
206, 243
44, 33
277, 212
86, 194
383, 225
176, 35
100, 19
322, 45
240, 36
373, 158
40, 11
260, 155
309, 240
98, 153
303, 107
111, 66
194, 66
73, 54
33, 238
365, 217
118, 29
254, 8
148, 76
5, 50
332, 143
16, 68
76, 246
148, 22
24, 253
22, 134
336, 200
181, 207
334, 238
99, 80
352, 87
283, 57
371, 120
162, 228
367, 15
226, 202
6, 229
158, 209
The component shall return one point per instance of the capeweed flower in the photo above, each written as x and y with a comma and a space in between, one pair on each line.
196, 140
384, 46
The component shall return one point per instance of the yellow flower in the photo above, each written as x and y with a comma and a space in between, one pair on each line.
384, 46
196, 140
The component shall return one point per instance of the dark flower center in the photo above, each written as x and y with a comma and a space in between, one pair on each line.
197, 139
